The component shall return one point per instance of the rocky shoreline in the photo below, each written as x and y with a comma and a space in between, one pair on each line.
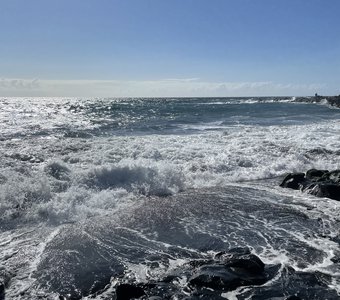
320, 183
227, 271
240, 269
331, 100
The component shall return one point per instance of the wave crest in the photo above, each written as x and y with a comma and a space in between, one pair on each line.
156, 180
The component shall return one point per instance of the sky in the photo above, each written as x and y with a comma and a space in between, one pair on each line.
169, 48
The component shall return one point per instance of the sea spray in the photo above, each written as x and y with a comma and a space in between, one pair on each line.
98, 192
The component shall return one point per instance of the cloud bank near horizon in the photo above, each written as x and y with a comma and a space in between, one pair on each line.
172, 87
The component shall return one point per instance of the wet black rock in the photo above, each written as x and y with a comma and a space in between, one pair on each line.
320, 183
128, 291
203, 279
327, 190
316, 175
2, 291
228, 271
298, 285
293, 298
293, 181
241, 259
233, 252
226, 278
249, 263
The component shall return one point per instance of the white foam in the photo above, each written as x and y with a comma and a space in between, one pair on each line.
148, 179
99, 173
26, 247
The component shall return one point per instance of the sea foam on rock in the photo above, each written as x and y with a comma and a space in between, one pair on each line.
320, 183
227, 271
204, 279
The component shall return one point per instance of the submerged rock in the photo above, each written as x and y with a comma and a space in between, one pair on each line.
236, 269
241, 259
202, 279
320, 183
295, 285
226, 278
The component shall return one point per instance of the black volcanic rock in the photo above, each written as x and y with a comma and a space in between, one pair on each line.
294, 285
328, 190
249, 263
235, 268
316, 175
228, 271
241, 259
320, 183
293, 181
227, 277
202, 279
128, 291
232, 269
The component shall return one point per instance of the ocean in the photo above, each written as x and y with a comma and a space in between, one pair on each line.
100, 192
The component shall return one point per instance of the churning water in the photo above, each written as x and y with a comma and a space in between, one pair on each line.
95, 189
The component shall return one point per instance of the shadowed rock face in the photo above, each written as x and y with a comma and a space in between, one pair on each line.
320, 183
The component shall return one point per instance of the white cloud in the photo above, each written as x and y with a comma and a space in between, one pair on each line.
18, 84
172, 87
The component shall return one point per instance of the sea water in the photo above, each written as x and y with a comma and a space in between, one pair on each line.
94, 188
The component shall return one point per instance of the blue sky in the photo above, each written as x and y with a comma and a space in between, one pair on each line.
169, 48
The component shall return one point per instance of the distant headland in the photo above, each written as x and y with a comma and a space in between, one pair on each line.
331, 100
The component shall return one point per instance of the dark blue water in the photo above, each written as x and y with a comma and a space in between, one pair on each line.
167, 116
